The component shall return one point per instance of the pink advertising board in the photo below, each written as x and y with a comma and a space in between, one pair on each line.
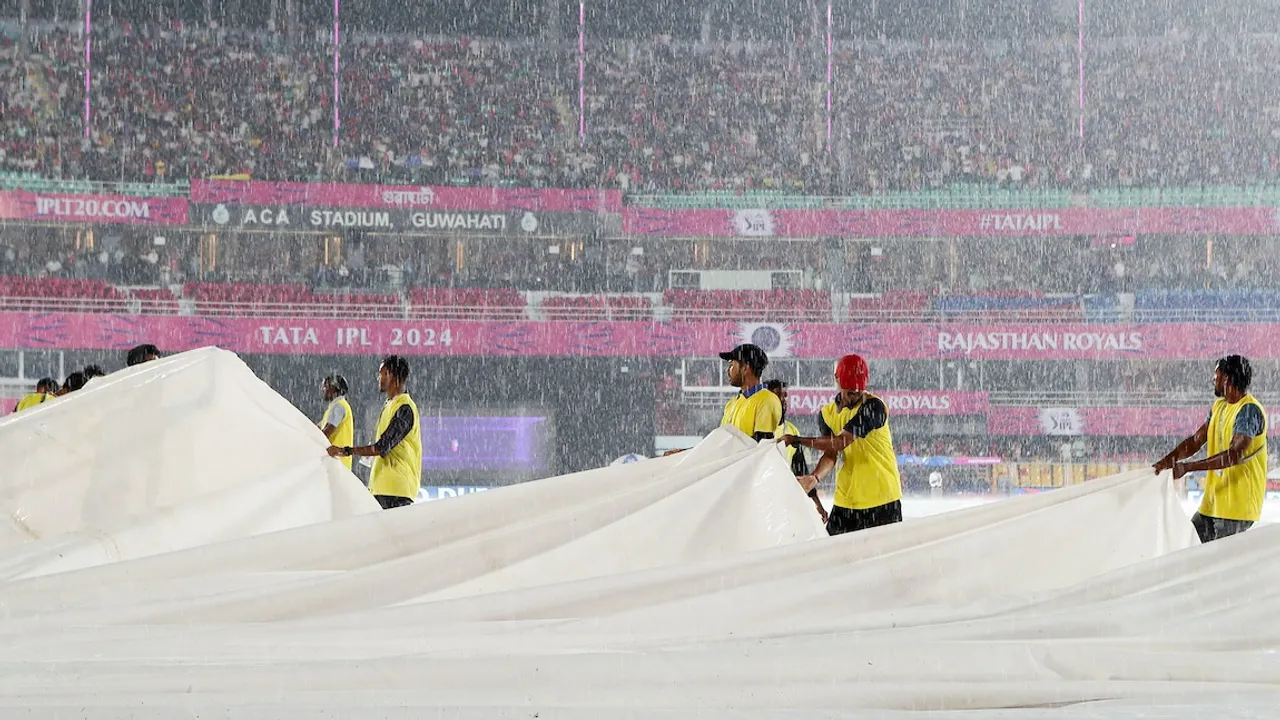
117, 209
404, 197
1125, 421
809, 401
639, 338
950, 223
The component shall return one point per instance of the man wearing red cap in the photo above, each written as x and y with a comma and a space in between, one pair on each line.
855, 426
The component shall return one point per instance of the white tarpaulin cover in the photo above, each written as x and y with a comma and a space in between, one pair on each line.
698, 585
183, 451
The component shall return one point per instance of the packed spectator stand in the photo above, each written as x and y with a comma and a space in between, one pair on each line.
672, 123
177, 102
1169, 121
668, 118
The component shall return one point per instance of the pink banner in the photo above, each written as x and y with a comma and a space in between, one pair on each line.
950, 223
23, 205
809, 401
405, 197
1126, 421
641, 338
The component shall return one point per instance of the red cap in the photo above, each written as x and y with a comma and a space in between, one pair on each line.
852, 373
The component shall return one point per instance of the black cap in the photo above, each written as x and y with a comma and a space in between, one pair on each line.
750, 355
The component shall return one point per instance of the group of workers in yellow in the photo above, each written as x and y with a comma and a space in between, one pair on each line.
854, 428
48, 389
396, 475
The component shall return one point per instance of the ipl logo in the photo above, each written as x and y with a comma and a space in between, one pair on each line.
753, 223
1061, 421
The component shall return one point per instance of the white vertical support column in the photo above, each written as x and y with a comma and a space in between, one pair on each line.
829, 48
88, 46
582, 72
1080, 58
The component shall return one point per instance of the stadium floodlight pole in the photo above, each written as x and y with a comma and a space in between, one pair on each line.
582, 72
336, 89
828, 75
1080, 58
88, 44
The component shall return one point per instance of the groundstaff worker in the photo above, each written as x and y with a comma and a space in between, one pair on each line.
855, 427
755, 410
1236, 466
45, 390
397, 453
337, 423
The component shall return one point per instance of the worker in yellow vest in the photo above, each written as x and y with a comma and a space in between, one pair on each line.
337, 424
754, 410
799, 465
855, 428
45, 389
1235, 466
397, 453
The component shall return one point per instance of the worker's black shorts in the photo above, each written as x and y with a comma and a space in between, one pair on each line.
845, 520
392, 501
1212, 528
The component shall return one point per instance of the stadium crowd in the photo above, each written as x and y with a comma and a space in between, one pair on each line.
177, 103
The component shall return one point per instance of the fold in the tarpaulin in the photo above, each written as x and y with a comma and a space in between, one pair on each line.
180, 452
697, 584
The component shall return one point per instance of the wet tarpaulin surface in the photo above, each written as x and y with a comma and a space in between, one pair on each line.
696, 585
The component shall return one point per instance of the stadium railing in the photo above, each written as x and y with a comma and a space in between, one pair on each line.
36, 183
1101, 399
969, 197
716, 396
953, 197
338, 310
